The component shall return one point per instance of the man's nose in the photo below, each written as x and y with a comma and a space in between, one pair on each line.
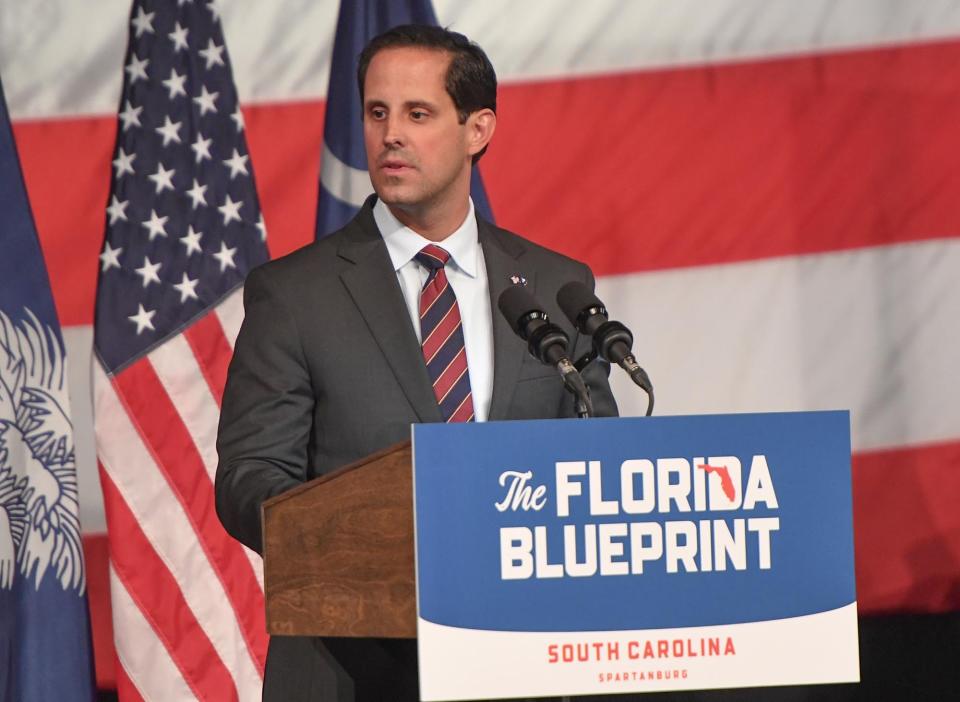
393, 131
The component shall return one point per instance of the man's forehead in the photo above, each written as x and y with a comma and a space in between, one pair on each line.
425, 62
409, 77
413, 53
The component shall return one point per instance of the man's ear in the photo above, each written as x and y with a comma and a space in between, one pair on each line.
480, 127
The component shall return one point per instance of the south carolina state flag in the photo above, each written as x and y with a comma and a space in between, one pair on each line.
45, 649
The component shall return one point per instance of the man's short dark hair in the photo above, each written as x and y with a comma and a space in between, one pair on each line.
471, 81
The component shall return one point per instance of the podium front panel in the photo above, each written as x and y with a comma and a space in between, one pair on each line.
571, 557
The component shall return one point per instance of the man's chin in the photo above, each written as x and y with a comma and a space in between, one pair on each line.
399, 198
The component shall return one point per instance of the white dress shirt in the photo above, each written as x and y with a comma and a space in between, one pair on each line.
467, 273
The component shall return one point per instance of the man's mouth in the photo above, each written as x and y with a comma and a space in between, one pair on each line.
395, 166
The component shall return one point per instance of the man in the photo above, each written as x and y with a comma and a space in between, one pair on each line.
329, 365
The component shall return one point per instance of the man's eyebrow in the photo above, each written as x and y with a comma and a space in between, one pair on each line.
409, 105
413, 104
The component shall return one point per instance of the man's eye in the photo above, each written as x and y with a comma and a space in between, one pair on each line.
377, 113
418, 115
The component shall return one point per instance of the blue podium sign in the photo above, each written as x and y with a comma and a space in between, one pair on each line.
564, 557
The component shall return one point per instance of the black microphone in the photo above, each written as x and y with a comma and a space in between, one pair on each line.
611, 340
546, 341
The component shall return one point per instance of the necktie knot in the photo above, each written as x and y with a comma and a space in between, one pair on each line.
432, 257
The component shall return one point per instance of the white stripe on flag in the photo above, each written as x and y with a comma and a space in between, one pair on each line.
346, 183
178, 371
256, 562
608, 36
870, 330
142, 655
167, 527
230, 313
78, 69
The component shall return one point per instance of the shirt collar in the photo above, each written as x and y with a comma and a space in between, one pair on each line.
403, 243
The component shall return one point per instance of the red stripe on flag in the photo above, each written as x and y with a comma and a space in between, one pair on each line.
96, 555
126, 690
285, 141
167, 439
154, 589
697, 165
66, 168
715, 164
907, 529
212, 351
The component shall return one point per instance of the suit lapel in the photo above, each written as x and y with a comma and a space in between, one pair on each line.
372, 283
501, 257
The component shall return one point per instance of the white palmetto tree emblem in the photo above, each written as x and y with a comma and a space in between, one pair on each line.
39, 526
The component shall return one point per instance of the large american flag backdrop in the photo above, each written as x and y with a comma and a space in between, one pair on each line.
767, 192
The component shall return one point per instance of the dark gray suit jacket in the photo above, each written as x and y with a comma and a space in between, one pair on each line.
327, 369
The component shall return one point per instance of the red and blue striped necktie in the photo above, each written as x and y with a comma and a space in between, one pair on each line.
441, 332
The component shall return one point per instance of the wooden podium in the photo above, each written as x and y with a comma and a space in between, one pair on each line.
338, 552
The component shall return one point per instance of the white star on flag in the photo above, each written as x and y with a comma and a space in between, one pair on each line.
117, 210
205, 101
237, 117
196, 193
156, 225
191, 240
143, 22
137, 68
262, 226
130, 115
163, 178
212, 54
187, 288
225, 256
142, 319
123, 163
230, 210
148, 271
201, 147
237, 164
179, 37
170, 131
110, 258
175, 83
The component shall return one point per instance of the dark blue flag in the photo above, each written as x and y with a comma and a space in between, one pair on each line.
45, 650
344, 181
